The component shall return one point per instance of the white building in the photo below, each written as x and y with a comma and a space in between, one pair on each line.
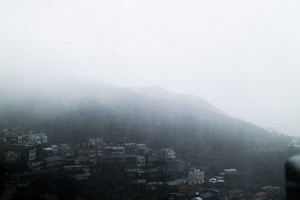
37, 138
196, 176
32, 154
167, 153
230, 171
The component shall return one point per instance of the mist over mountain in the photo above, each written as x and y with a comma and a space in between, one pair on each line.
144, 111
197, 130
163, 94
215, 81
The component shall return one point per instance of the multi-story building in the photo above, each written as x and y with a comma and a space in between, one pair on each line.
134, 161
196, 176
135, 174
54, 161
167, 153
95, 146
15, 139
130, 148
18, 153
142, 149
37, 138
78, 172
114, 152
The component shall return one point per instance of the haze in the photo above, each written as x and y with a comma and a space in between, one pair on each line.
241, 56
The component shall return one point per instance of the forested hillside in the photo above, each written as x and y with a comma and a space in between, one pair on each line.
199, 132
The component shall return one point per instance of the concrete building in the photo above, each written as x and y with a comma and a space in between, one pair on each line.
114, 152
196, 176
167, 153
78, 172
37, 138
17, 152
134, 161
54, 161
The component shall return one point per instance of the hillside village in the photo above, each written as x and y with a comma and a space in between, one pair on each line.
157, 173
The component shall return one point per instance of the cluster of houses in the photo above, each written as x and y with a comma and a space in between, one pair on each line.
144, 166
217, 189
22, 150
149, 170
25, 153
30, 152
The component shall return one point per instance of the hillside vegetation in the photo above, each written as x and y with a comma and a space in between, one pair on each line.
198, 131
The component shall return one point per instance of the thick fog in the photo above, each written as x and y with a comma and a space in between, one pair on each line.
241, 56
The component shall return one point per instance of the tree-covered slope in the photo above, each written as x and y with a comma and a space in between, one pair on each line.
199, 133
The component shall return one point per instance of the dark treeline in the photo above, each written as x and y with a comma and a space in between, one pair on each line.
202, 137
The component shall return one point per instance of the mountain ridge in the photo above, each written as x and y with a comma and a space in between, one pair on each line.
161, 93
74, 113
163, 108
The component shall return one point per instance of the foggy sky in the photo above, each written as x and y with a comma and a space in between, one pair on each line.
241, 56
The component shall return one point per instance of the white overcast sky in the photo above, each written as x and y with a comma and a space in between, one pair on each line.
242, 56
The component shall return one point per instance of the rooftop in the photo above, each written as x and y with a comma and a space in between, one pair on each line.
206, 195
53, 158
175, 182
